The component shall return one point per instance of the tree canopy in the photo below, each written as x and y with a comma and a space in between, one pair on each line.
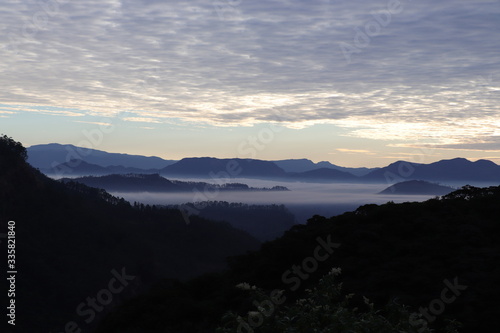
11, 148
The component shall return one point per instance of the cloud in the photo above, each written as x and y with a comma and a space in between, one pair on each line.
492, 145
47, 110
94, 123
355, 151
429, 76
5, 112
142, 120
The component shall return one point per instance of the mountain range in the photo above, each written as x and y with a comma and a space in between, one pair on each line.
67, 161
49, 155
456, 169
221, 168
302, 165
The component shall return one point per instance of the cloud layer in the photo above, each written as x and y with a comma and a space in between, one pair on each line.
417, 71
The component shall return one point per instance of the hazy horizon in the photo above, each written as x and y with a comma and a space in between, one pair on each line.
413, 159
303, 199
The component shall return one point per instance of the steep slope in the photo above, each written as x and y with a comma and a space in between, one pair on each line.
264, 222
72, 239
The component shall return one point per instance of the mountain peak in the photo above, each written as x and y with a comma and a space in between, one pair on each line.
236, 167
485, 163
400, 162
455, 160
417, 187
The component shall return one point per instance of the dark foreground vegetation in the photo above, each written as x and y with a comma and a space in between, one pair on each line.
264, 222
76, 243
440, 257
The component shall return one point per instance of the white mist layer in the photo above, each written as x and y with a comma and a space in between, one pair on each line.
303, 199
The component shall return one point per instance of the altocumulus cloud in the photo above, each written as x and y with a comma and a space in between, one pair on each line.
430, 75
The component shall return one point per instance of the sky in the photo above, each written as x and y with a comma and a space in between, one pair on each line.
356, 83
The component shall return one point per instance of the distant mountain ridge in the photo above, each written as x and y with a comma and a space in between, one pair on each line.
47, 155
53, 158
417, 187
157, 183
304, 165
457, 169
81, 168
211, 167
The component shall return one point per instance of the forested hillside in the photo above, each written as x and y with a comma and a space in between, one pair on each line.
72, 240
264, 222
440, 257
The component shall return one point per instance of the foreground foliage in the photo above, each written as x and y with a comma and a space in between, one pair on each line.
326, 309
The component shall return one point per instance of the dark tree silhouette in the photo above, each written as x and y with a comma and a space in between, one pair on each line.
9, 148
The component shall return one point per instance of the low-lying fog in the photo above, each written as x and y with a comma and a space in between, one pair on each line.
303, 199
